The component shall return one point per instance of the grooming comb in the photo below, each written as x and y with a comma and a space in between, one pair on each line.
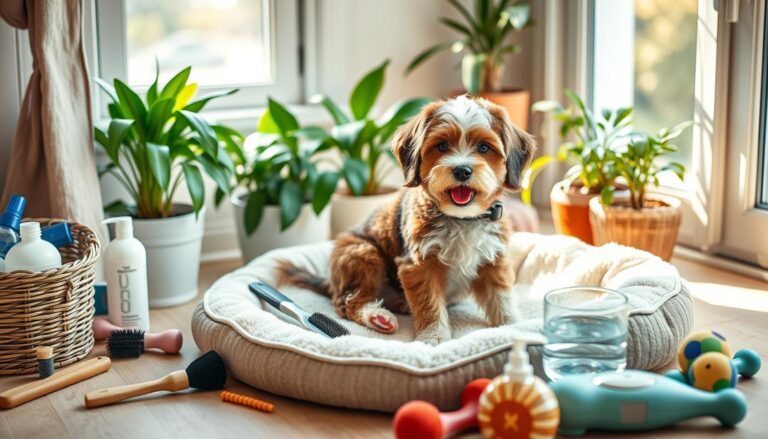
316, 322
205, 373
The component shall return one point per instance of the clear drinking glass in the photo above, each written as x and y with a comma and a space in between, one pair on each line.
586, 330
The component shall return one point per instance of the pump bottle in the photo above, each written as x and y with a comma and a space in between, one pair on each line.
125, 264
517, 404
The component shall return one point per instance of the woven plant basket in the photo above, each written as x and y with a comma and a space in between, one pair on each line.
651, 229
53, 308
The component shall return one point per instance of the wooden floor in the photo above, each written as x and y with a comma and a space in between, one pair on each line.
730, 303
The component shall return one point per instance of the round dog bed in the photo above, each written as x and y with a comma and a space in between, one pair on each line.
374, 371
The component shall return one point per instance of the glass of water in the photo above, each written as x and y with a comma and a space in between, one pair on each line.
586, 330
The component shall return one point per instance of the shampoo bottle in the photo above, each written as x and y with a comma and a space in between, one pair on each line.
32, 253
9, 226
125, 264
518, 404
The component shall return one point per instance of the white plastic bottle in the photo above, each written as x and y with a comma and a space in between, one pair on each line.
32, 253
125, 265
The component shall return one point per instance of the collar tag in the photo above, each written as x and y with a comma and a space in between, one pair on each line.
497, 211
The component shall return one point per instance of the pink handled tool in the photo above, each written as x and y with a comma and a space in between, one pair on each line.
127, 341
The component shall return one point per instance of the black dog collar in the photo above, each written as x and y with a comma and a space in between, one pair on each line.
494, 213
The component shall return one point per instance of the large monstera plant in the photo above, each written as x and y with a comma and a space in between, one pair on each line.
156, 142
362, 140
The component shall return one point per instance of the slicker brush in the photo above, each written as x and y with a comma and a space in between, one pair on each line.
247, 401
44, 361
207, 372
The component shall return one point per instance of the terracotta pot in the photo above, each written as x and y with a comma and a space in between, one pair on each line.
653, 229
570, 212
348, 210
517, 102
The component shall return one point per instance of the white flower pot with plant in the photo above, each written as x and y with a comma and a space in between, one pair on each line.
153, 146
485, 36
588, 141
281, 195
363, 143
646, 221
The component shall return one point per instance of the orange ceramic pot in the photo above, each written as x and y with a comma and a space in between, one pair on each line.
570, 212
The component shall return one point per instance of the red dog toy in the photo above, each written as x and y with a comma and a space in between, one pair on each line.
422, 420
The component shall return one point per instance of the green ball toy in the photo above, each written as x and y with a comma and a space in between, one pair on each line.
700, 343
712, 372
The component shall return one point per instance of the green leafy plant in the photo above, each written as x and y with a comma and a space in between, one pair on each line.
156, 142
588, 142
281, 170
362, 140
485, 37
637, 163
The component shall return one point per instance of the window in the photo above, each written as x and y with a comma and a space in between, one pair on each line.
762, 180
228, 43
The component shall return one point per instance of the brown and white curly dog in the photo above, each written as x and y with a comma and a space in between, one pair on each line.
441, 238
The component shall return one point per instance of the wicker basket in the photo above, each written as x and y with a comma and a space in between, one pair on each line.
53, 308
651, 229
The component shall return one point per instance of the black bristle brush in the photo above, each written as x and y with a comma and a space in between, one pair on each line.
316, 322
205, 373
130, 343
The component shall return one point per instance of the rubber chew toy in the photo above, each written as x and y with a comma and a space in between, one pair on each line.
247, 401
63, 378
636, 400
422, 420
44, 361
205, 373
132, 342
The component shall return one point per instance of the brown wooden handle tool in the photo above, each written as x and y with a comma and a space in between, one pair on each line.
172, 382
62, 378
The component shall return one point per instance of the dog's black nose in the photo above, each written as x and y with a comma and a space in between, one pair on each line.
462, 173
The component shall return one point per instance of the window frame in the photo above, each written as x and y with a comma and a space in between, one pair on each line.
284, 36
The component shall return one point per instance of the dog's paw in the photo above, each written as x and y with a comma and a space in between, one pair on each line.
434, 335
378, 318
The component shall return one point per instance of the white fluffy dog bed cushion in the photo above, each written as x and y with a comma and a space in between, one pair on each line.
373, 371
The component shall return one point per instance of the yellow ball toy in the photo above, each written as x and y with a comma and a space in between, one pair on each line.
700, 343
711, 372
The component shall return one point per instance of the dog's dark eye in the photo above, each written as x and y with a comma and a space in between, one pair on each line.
483, 148
443, 147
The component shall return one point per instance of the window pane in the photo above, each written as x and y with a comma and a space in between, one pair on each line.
665, 61
227, 42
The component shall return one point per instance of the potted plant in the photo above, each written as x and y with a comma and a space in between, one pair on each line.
643, 220
588, 141
154, 145
484, 37
363, 143
280, 195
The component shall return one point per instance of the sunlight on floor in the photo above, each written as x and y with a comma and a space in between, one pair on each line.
730, 296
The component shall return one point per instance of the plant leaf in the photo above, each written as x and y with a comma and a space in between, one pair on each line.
159, 160
355, 173
324, 187
216, 171
176, 84
152, 90
398, 114
530, 174
339, 117
119, 208
546, 106
195, 185
519, 15
131, 105
116, 133
455, 25
283, 119
158, 116
209, 141
366, 91
291, 201
254, 209
185, 95
606, 195
267, 124
198, 104
426, 54
108, 89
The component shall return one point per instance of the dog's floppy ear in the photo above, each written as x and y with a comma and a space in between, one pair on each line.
519, 146
407, 142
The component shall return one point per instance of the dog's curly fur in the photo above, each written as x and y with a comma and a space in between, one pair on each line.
428, 243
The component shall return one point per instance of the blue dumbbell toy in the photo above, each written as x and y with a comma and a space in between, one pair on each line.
636, 400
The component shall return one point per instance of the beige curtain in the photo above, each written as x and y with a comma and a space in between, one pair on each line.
51, 161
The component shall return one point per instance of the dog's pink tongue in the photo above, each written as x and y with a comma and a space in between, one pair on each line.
461, 195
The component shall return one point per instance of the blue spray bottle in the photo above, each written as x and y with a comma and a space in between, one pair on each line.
9, 226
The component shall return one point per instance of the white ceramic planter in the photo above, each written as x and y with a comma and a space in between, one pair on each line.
307, 229
173, 255
348, 211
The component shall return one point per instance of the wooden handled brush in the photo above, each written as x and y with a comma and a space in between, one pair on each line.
63, 378
205, 373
